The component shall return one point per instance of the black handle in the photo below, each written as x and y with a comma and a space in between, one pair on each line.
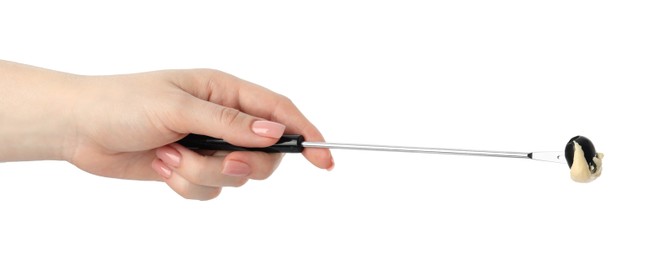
286, 144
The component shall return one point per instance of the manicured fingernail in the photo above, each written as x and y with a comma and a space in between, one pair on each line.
170, 156
236, 168
165, 172
268, 129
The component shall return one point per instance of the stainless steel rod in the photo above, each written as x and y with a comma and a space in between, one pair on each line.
408, 149
295, 144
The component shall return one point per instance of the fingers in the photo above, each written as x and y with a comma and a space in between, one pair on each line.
238, 128
227, 90
262, 164
183, 187
287, 113
198, 176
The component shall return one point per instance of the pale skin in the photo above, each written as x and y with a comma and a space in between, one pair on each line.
126, 126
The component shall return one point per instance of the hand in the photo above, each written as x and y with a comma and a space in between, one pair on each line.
125, 126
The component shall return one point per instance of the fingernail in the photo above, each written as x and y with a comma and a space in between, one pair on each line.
170, 156
165, 172
236, 168
268, 129
331, 164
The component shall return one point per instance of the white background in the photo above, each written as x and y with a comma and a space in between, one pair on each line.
496, 75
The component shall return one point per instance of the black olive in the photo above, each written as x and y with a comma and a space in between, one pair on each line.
587, 147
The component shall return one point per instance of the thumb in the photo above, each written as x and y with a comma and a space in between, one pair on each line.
238, 128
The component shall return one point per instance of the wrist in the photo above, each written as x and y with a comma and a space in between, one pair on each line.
36, 113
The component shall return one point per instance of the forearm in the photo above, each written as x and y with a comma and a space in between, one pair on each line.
35, 113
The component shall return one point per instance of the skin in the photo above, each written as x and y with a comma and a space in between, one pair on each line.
125, 126
580, 171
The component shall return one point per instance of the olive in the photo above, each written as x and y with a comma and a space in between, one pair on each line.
587, 147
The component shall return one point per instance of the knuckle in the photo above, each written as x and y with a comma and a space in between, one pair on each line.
211, 194
194, 171
198, 193
195, 178
286, 101
284, 105
185, 192
267, 166
228, 116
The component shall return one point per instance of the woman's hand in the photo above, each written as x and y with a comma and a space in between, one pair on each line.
125, 126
